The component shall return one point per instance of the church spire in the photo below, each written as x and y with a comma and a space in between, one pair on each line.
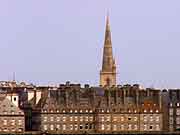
107, 52
108, 72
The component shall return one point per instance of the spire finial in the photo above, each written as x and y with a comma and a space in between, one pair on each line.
14, 76
107, 18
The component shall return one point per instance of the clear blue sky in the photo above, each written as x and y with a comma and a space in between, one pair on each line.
52, 41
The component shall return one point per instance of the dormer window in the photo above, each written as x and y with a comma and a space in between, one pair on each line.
80, 111
151, 111
145, 111
86, 111
177, 104
157, 111
71, 111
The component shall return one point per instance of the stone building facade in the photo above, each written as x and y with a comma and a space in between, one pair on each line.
174, 110
73, 109
12, 118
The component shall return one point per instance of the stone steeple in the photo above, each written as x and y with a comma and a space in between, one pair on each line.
108, 72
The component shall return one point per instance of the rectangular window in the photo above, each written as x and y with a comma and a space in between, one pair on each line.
52, 118
135, 118
76, 127
64, 119
122, 127
114, 127
71, 127
108, 118
45, 119
135, 127
52, 127
4, 122
86, 126
75, 118
150, 127
114, 118
102, 127
19, 122
86, 118
177, 120
145, 127
102, 118
45, 127
12, 122
58, 126
91, 118
171, 120
178, 111
157, 127
122, 118
108, 127
157, 118
81, 118
151, 118
129, 118
170, 111
71, 118
129, 127
145, 118
13, 130
64, 127
80, 126
58, 118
